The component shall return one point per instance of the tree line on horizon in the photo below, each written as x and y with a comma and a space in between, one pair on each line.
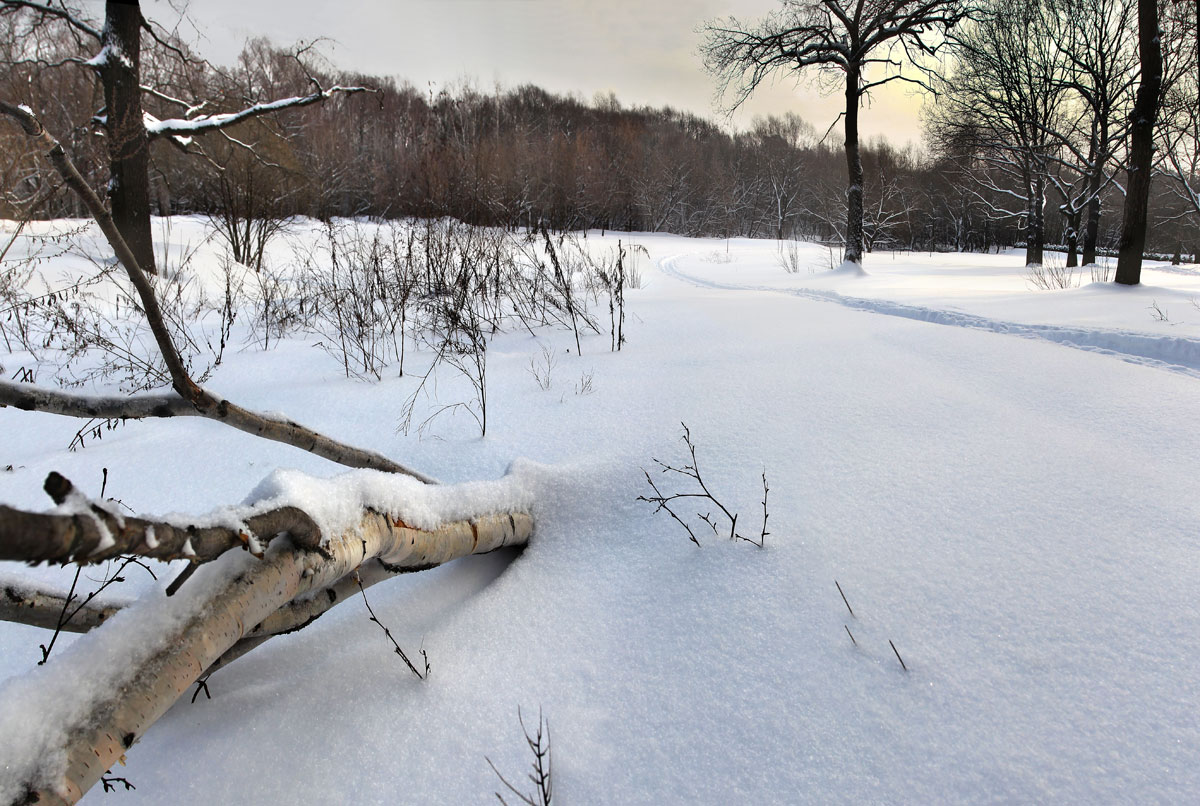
525, 157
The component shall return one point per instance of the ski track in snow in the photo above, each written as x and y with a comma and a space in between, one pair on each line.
1175, 354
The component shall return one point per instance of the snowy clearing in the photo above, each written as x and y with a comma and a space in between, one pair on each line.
1016, 517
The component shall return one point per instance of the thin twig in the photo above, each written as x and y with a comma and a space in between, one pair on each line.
691, 471
201, 685
844, 599
660, 501
541, 775
110, 784
388, 633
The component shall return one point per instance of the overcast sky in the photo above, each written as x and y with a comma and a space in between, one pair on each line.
645, 51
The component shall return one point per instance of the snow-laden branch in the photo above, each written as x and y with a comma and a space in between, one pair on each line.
189, 109
186, 127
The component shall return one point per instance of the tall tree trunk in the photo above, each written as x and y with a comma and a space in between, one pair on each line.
854, 189
1073, 239
1141, 148
128, 146
1097, 157
1035, 224
1091, 232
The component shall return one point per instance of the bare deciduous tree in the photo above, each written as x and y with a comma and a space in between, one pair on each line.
1004, 100
1094, 37
128, 128
1179, 131
851, 41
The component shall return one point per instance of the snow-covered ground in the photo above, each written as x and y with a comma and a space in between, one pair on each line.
1002, 480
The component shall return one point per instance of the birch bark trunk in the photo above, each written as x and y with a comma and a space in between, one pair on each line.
235, 595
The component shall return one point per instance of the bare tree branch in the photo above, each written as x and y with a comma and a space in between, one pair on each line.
179, 127
62, 13
87, 531
29, 397
23, 602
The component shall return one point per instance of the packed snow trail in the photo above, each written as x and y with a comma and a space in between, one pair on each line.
1176, 354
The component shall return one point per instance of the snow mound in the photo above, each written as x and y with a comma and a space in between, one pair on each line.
337, 504
850, 269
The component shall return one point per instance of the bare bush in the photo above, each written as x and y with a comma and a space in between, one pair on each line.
833, 259
1101, 270
718, 257
230, 304
359, 284
633, 269
1052, 274
585, 386
277, 307
789, 257
460, 343
609, 275
563, 283
664, 502
541, 370
370, 293
86, 326
246, 216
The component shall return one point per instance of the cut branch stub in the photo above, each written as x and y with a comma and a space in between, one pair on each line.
25, 604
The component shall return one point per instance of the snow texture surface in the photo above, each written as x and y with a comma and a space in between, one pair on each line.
1002, 480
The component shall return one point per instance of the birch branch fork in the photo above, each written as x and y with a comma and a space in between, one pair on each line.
225, 605
205, 403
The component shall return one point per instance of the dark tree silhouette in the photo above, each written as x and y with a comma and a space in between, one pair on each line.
853, 41
1005, 100
1141, 146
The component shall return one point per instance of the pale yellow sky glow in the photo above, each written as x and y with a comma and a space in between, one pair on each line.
645, 51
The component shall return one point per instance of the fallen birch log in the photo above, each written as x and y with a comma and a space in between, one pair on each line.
158, 647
